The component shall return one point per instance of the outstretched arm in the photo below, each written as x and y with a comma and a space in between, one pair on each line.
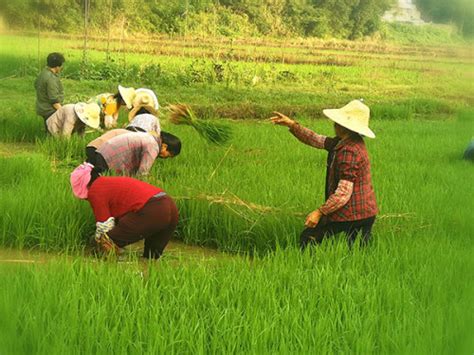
303, 134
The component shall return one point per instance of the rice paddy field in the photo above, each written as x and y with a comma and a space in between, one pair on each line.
242, 205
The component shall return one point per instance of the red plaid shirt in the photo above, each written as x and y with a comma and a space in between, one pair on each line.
130, 153
349, 192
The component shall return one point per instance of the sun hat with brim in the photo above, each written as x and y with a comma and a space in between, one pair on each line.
144, 98
150, 94
128, 95
354, 116
88, 113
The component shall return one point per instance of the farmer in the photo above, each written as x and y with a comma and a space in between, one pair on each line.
126, 210
350, 205
49, 90
132, 152
73, 118
143, 116
110, 105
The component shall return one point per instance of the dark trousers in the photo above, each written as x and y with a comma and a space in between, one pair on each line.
155, 222
326, 229
45, 118
96, 159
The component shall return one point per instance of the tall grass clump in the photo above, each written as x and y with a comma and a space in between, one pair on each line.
66, 152
20, 124
38, 207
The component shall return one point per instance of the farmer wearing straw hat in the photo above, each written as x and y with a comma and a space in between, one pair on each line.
143, 116
350, 205
142, 120
73, 118
110, 104
126, 210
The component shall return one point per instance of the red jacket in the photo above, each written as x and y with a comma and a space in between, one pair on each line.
116, 196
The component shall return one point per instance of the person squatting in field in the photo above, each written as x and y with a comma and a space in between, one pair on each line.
350, 205
110, 105
126, 210
49, 90
73, 118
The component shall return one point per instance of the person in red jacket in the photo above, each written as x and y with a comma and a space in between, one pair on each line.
126, 210
350, 205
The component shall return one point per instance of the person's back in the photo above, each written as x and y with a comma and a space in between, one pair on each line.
117, 195
131, 153
98, 142
145, 122
64, 122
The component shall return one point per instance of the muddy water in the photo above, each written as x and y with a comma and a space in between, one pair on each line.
174, 250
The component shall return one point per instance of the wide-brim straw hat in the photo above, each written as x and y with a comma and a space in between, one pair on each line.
149, 94
354, 116
144, 98
128, 95
88, 113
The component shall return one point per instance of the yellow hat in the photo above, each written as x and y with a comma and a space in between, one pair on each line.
128, 95
354, 116
88, 113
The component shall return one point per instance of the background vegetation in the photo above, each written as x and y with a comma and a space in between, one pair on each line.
347, 19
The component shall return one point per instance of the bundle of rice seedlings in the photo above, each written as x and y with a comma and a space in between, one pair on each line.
211, 131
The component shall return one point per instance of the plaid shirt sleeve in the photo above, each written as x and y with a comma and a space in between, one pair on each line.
150, 151
339, 198
307, 136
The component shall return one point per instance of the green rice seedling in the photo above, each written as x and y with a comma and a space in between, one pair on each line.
66, 152
213, 132
39, 208
402, 296
20, 124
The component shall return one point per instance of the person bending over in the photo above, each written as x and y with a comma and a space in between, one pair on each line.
126, 210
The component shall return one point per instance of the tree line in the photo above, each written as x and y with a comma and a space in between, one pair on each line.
348, 19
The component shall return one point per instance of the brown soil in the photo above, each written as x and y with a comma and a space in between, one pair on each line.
174, 250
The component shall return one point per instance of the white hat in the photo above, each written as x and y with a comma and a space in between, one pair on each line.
128, 95
144, 98
88, 113
354, 116
142, 92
